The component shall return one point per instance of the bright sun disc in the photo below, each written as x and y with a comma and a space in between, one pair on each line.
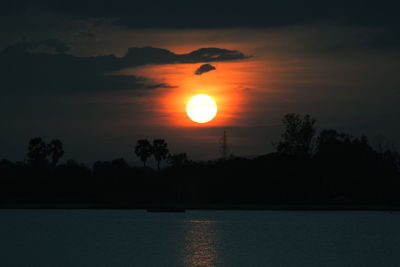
201, 108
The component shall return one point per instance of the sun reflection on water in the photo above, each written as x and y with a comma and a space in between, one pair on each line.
200, 244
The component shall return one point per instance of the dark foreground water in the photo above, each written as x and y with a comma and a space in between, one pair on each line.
199, 238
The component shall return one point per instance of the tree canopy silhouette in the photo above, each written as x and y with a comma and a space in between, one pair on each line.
55, 150
160, 151
177, 160
37, 152
297, 139
143, 150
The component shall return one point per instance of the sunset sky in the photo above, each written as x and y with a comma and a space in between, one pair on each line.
101, 74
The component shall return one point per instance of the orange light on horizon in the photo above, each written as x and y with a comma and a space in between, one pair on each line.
227, 85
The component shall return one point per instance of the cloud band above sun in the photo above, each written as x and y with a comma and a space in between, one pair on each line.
51, 69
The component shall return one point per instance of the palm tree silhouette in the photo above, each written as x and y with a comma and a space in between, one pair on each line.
37, 151
143, 150
55, 150
160, 151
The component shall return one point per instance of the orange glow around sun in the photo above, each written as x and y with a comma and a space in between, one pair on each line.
201, 108
227, 86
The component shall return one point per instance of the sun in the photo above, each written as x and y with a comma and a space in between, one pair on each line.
201, 108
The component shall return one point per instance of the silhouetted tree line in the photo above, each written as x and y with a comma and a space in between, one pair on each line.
324, 168
40, 153
144, 150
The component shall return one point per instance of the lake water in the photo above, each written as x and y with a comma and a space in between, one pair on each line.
199, 238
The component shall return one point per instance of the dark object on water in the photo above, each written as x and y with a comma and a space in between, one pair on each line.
161, 209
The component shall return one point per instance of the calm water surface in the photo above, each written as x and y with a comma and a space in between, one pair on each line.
199, 238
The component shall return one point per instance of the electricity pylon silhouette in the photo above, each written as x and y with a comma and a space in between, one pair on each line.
224, 145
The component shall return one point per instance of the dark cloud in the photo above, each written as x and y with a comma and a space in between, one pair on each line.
151, 55
224, 13
204, 68
23, 69
47, 46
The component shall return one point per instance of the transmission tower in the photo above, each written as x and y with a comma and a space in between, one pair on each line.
224, 145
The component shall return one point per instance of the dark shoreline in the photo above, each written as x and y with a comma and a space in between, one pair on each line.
287, 207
